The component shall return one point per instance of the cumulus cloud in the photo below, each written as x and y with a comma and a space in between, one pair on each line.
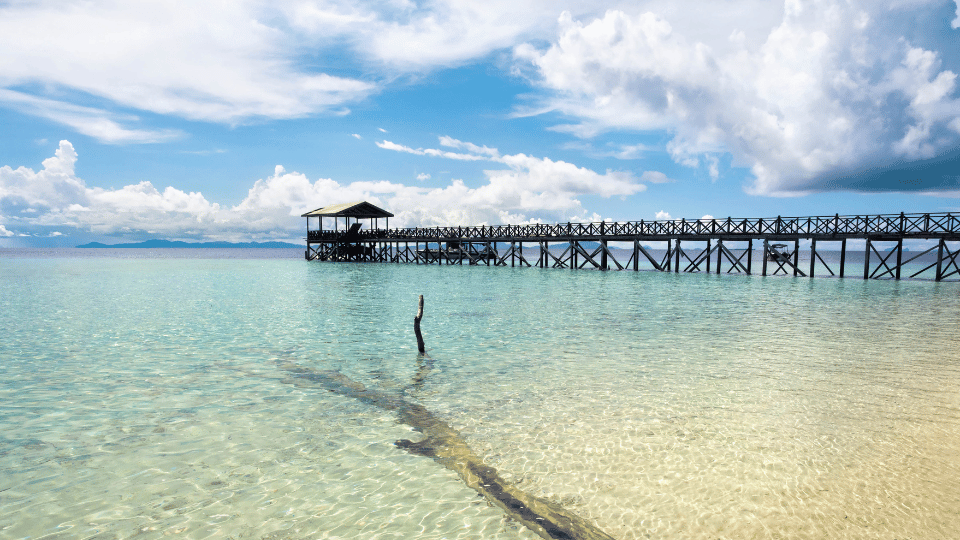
661, 215
423, 176
529, 189
826, 90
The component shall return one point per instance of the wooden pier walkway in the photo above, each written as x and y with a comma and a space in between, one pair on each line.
712, 246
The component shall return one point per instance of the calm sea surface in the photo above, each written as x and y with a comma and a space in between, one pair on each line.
148, 394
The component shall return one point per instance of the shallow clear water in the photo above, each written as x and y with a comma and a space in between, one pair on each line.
144, 396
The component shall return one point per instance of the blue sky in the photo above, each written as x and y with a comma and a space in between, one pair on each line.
227, 120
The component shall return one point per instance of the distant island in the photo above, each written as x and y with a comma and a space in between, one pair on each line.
155, 244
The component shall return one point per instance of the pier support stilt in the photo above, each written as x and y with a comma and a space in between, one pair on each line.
813, 255
843, 255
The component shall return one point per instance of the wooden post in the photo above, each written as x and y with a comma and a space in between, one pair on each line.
719, 254
843, 254
940, 260
575, 261
676, 269
866, 261
603, 254
545, 254
813, 254
900, 248
669, 254
766, 253
749, 257
708, 255
796, 257
636, 255
416, 326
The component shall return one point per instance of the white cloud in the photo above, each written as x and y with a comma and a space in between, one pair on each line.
356, 136
824, 87
423, 176
96, 123
661, 215
528, 189
389, 145
383, 130
551, 183
654, 177
4, 231
956, 22
220, 61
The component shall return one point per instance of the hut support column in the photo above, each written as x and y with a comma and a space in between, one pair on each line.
750, 257
636, 255
603, 255
866, 261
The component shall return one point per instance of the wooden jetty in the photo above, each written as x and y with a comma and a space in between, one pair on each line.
702, 245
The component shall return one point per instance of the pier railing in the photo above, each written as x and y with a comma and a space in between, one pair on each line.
931, 225
583, 245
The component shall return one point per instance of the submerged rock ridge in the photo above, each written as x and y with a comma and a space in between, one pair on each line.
446, 446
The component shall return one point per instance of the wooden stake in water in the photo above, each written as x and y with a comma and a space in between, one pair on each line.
416, 327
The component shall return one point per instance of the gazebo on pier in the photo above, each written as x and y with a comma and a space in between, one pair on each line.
336, 244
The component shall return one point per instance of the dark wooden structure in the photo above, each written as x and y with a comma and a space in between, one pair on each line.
703, 245
348, 244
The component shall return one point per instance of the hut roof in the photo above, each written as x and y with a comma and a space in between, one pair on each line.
359, 209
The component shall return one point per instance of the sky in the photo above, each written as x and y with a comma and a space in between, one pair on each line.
226, 120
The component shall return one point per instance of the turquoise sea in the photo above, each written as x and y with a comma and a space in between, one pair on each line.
170, 393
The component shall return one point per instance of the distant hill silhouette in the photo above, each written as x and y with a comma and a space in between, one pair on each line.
160, 244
